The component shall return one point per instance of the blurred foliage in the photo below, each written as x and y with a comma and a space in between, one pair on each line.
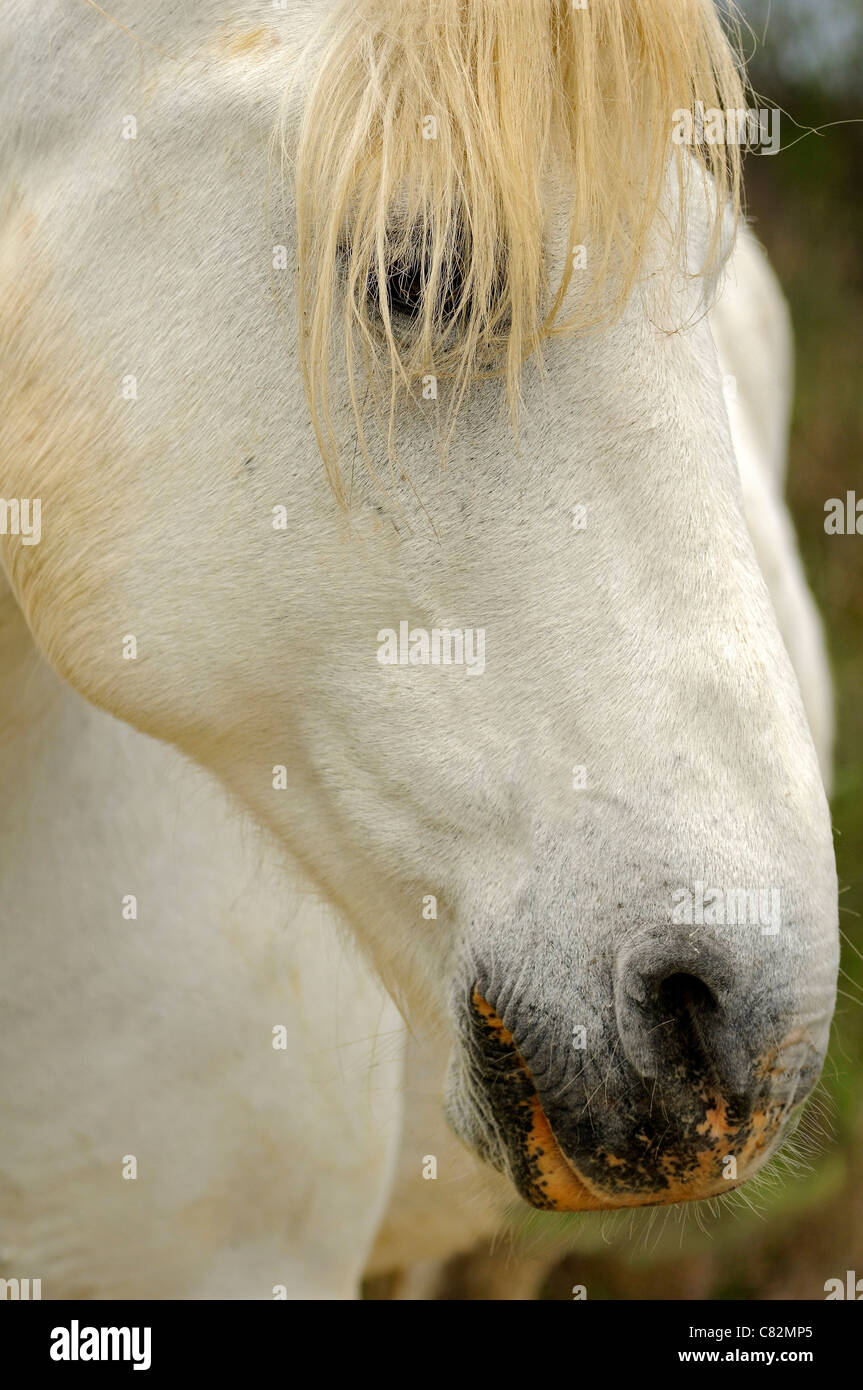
814, 43
806, 204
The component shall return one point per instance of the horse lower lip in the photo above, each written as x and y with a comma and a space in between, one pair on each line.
553, 1183
557, 1181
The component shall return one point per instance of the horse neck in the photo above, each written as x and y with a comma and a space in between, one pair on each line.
30, 692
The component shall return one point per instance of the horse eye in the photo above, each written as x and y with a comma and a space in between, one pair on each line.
406, 287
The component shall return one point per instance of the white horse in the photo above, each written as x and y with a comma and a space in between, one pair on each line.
217, 1096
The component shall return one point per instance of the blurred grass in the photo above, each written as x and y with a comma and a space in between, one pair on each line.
807, 206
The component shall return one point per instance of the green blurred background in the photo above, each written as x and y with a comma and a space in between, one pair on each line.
783, 1235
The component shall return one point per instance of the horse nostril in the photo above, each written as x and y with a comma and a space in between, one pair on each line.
676, 1016
684, 991
685, 996
687, 1004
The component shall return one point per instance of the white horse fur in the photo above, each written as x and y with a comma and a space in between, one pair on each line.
644, 648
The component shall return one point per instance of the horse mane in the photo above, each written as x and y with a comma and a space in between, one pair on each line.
515, 89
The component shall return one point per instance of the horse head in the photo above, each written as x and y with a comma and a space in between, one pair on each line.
421, 526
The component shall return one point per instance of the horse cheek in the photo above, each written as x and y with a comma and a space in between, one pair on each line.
62, 446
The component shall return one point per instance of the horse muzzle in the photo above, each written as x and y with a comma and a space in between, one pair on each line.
688, 1115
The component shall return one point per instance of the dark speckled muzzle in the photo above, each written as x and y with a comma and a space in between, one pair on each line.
680, 1097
